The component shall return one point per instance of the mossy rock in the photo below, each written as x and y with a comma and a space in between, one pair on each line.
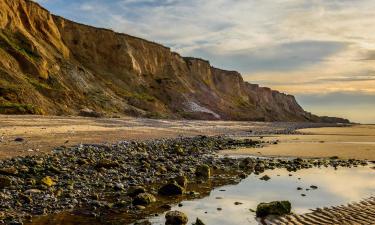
278, 208
144, 199
203, 171
47, 181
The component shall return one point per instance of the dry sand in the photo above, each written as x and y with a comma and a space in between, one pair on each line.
345, 142
42, 133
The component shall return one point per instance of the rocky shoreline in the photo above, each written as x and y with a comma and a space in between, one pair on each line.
132, 178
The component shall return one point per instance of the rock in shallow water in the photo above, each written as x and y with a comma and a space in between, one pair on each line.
278, 208
144, 199
176, 218
171, 189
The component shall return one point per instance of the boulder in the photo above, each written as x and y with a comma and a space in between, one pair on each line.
176, 218
278, 208
171, 189
144, 199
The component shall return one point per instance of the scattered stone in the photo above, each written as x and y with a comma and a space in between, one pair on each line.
11, 171
171, 189
238, 203
314, 187
265, 178
278, 208
19, 139
119, 187
176, 218
299, 189
106, 164
5, 182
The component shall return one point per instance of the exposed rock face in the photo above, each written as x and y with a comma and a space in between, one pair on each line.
50, 65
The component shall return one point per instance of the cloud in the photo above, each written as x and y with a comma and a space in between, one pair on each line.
281, 57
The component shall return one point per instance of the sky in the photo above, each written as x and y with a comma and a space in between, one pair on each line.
321, 51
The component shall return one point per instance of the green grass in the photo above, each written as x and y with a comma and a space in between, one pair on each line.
37, 84
17, 42
17, 108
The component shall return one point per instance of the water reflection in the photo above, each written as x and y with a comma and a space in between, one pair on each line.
335, 187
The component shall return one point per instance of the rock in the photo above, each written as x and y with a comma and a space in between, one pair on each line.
12, 171
19, 139
89, 113
166, 207
314, 187
238, 203
144, 199
181, 180
176, 218
119, 186
171, 189
47, 181
140, 207
135, 190
278, 208
14, 222
5, 182
107, 164
32, 191
203, 171
198, 222
265, 178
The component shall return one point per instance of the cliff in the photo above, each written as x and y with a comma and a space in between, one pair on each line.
50, 65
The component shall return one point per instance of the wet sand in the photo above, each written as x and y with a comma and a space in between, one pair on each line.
354, 213
344, 142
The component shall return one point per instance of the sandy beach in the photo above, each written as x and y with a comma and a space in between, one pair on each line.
42, 133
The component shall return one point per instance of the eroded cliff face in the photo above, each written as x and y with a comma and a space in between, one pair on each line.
50, 65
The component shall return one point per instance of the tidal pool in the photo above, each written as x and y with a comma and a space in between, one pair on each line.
335, 187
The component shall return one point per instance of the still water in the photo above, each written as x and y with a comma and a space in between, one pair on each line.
335, 187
